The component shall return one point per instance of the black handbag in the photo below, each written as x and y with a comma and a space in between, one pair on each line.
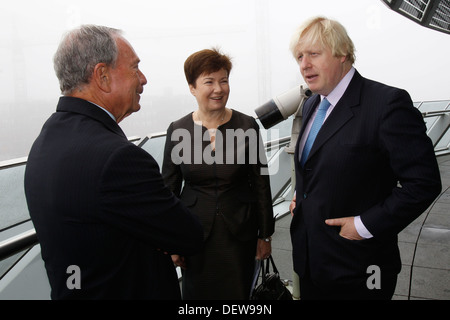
271, 287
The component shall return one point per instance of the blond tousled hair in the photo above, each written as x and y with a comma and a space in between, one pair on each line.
325, 32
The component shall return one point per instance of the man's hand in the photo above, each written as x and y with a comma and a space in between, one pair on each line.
179, 261
348, 230
292, 205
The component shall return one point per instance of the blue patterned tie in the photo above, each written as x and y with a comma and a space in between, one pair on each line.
318, 121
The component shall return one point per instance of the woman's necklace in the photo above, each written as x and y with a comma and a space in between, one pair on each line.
200, 121
212, 131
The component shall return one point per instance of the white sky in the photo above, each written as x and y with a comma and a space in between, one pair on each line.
256, 33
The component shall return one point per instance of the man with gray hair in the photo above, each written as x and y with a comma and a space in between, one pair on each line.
105, 221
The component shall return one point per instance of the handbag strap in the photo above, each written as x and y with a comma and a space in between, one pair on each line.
266, 270
274, 267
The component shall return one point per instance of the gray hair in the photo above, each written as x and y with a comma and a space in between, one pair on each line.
80, 51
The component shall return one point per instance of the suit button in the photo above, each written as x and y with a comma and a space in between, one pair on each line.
305, 195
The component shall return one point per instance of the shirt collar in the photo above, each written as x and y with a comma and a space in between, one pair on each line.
337, 93
109, 113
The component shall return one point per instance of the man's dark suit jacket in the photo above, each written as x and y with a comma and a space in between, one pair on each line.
373, 139
98, 202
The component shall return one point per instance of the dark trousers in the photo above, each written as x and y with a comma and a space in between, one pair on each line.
310, 291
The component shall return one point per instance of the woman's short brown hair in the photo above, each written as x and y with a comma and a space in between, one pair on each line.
205, 61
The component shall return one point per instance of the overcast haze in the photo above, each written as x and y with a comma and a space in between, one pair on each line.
255, 33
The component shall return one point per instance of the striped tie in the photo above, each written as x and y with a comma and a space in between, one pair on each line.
318, 121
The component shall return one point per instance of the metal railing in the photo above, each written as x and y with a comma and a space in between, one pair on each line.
27, 239
438, 129
18, 243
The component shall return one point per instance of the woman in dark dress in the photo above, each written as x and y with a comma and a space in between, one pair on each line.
214, 161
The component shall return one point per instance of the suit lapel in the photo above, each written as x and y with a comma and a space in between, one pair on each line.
310, 107
340, 115
308, 111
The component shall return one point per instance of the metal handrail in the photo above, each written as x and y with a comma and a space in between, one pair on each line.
13, 163
18, 243
28, 239
435, 113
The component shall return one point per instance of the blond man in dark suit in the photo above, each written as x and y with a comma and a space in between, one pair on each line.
367, 174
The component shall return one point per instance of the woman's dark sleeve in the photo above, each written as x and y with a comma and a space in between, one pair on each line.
171, 172
261, 187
